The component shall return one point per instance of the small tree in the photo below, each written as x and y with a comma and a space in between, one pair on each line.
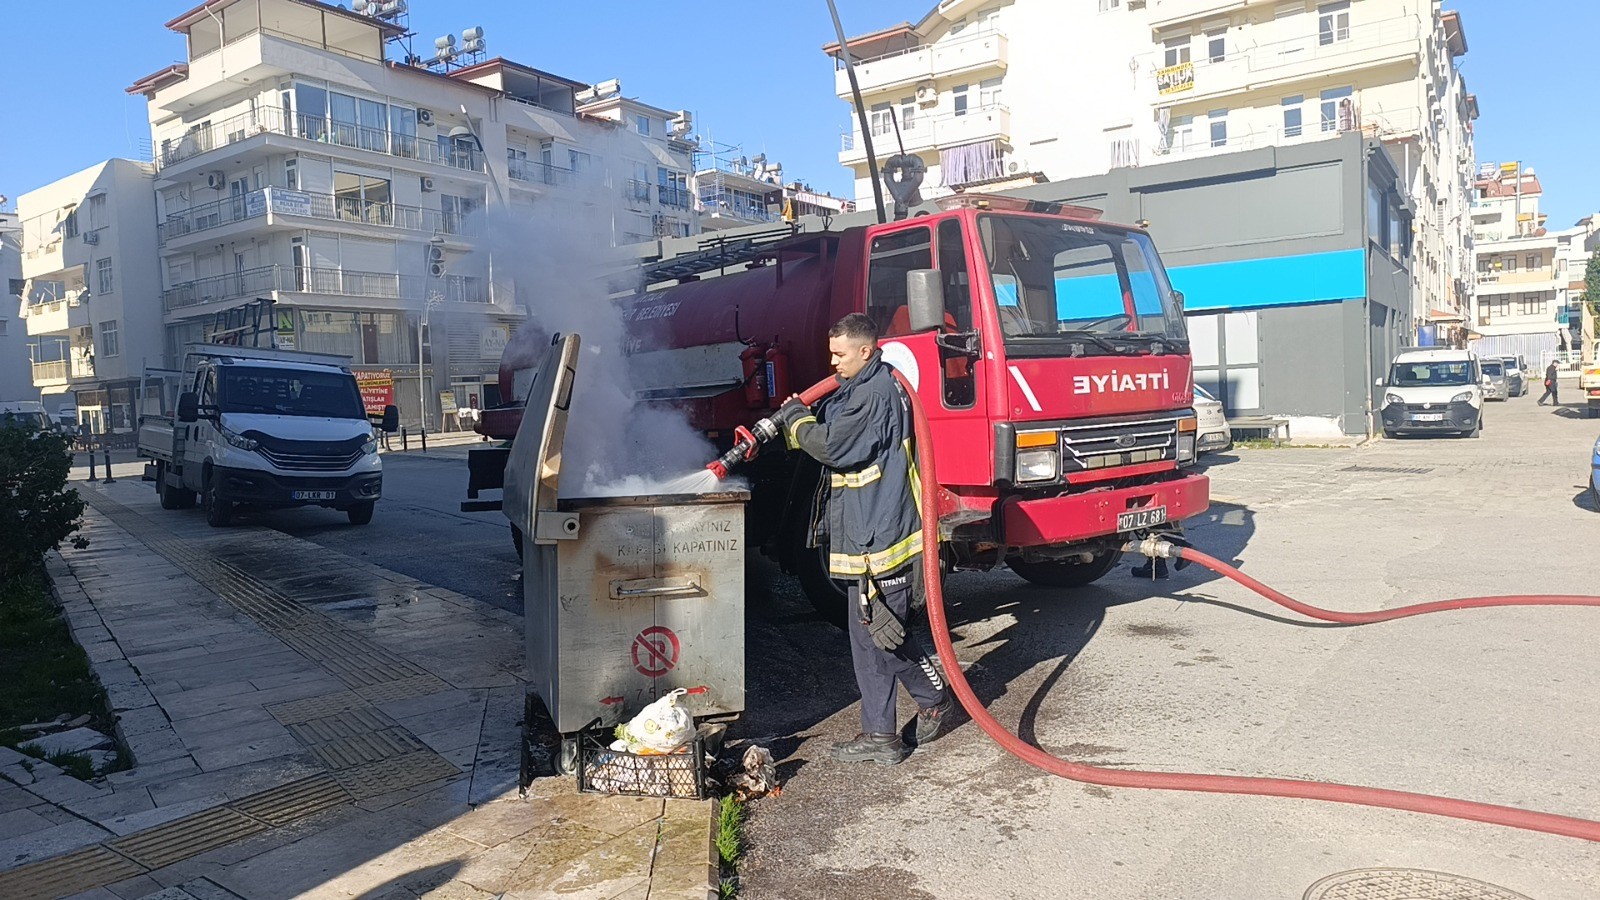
1591, 286
37, 509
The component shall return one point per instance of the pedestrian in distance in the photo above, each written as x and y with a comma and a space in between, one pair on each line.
1550, 386
863, 436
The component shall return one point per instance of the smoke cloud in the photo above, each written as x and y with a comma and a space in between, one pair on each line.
558, 253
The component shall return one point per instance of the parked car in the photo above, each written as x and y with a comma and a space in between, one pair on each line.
1211, 423
27, 414
1516, 374
1495, 385
1433, 391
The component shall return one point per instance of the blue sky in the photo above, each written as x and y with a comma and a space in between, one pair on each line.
752, 73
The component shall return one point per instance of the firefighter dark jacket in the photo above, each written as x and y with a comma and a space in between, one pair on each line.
863, 434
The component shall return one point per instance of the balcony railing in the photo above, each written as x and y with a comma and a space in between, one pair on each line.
536, 172
737, 210
323, 280
636, 191
312, 128
1246, 64
315, 206
924, 132
676, 197
50, 370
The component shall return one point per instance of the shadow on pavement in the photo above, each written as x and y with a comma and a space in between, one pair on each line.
1585, 499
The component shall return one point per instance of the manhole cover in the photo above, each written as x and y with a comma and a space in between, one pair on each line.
1389, 470
1405, 884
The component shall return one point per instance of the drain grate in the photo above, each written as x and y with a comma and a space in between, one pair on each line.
1389, 470
79, 871
1405, 884
187, 837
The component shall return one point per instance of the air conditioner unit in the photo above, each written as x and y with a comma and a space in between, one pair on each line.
216, 180
91, 237
427, 184
927, 94
424, 117
1017, 165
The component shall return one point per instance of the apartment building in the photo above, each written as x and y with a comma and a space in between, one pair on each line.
318, 187
90, 293
16, 372
987, 91
1518, 307
1574, 246
734, 190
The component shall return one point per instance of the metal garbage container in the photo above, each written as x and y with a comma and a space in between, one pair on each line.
624, 598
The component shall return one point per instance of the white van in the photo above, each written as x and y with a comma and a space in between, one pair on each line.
1433, 391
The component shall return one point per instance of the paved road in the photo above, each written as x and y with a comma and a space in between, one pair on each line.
1196, 675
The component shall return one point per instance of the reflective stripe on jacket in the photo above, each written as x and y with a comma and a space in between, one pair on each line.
863, 435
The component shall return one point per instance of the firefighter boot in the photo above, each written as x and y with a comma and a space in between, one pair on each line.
883, 749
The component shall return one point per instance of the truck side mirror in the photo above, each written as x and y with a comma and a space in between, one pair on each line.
1377, 382
391, 419
925, 300
188, 407
1178, 298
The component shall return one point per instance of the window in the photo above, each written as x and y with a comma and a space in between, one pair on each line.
362, 198
97, 212
1177, 52
580, 161
641, 124
1533, 260
1338, 110
959, 92
291, 174
1219, 127
456, 210
989, 93
1182, 132
1532, 305
1491, 307
109, 344
5, 327
1561, 267
1109, 5
403, 130
311, 111
879, 119
374, 122
103, 280
1511, 264
1333, 23
69, 226
960, 386
893, 255
1217, 45
1292, 115
908, 113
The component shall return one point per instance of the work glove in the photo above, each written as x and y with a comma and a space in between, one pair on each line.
790, 412
886, 629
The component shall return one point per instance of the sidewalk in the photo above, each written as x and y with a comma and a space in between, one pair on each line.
306, 724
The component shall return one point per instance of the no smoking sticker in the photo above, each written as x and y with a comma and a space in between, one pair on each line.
655, 651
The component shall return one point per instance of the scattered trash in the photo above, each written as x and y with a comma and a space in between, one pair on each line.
662, 727
603, 769
758, 778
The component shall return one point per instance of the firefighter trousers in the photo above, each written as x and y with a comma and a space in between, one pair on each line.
878, 670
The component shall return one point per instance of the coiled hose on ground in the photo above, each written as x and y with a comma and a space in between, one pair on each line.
1220, 784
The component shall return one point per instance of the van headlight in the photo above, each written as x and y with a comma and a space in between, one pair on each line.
238, 440
370, 448
1390, 399
1463, 397
1036, 465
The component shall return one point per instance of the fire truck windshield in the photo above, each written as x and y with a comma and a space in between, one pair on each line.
1099, 286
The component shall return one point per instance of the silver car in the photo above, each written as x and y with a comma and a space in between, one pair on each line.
1516, 377
1495, 384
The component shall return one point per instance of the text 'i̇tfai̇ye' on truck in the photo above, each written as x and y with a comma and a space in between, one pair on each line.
1059, 389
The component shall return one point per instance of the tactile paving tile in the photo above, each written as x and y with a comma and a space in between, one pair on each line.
63, 876
345, 724
404, 689
360, 749
296, 711
187, 837
395, 774
295, 800
1405, 884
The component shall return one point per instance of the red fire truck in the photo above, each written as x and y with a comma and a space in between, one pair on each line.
1059, 389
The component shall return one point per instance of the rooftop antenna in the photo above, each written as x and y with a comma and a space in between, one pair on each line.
861, 112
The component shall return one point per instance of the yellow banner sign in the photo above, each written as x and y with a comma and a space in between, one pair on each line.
1175, 79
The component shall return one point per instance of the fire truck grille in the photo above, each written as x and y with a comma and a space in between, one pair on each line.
1085, 448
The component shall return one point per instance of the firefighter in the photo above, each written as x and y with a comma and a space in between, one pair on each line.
863, 435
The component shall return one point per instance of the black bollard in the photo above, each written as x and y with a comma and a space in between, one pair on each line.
91, 462
424, 434
107, 447
405, 440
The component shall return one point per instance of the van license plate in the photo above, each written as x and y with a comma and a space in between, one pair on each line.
1428, 417
1149, 517
311, 495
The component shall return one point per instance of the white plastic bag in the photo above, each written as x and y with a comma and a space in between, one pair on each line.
662, 727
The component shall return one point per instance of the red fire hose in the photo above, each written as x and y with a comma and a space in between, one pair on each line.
1221, 784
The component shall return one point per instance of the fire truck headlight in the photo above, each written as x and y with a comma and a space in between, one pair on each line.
1036, 465
1185, 448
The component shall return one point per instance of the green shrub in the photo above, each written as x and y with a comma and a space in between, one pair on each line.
37, 509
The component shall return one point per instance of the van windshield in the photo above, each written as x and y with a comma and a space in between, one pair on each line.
289, 392
1492, 367
1431, 373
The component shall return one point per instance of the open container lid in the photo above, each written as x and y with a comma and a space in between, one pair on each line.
533, 470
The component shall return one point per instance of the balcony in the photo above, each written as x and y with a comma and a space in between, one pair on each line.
56, 316
530, 171
61, 372
269, 204
636, 192
674, 197
726, 212
1259, 66
202, 294
1197, 142
270, 124
1173, 12
984, 123
981, 52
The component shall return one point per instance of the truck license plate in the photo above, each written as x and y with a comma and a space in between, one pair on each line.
1148, 517
311, 495
1428, 417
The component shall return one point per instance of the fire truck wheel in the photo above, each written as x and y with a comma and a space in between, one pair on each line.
566, 760
361, 513
516, 541
1064, 574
